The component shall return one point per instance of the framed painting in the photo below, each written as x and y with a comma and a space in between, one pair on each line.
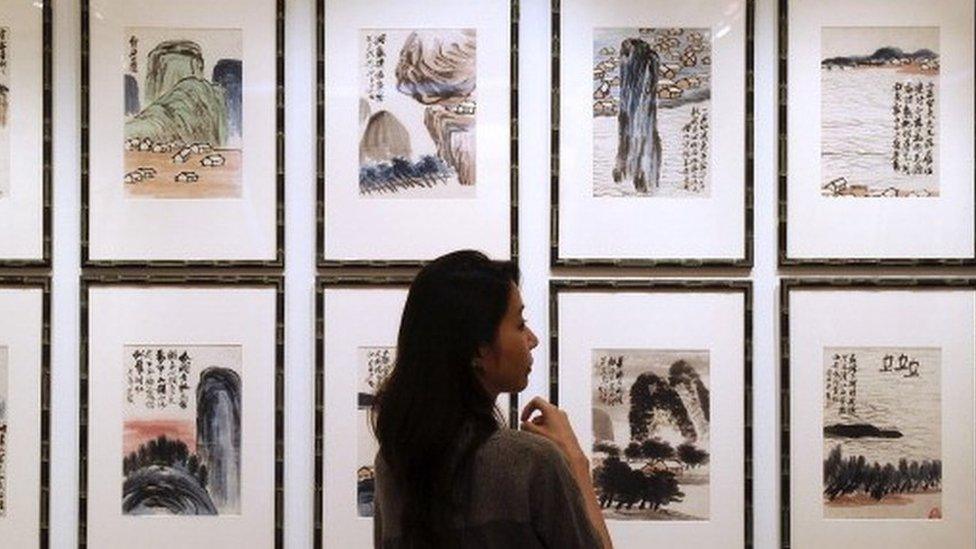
356, 326
876, 133
25, 408
433, 96
182, 412
183, 164
657, 167
877, 418
645, 391
25, 133
357, 322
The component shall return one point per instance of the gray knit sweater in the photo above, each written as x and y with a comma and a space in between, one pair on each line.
523, 495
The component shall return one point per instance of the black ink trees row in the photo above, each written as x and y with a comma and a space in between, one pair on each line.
855, 475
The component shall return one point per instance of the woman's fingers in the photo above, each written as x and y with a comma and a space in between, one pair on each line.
532, 428
537, 403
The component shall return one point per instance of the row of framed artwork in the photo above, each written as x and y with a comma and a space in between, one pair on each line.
184, 165
182, 408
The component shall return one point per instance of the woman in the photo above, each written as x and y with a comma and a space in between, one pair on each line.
448, 474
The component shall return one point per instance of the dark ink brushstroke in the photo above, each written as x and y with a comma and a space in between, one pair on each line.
131, 95
880, 57
399, 174
228, 73
4, 91
219, 434
859, 430
639, 144
650, 394
855, 475
158, 488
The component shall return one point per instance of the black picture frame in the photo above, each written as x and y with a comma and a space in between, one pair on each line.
744, 262
43, 284
559, 286
784, 259
355, 282
788, 285
47, 38
322, 260
188, 281
321, 283
279, 261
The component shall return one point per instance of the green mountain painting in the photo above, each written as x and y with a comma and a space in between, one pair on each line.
183, 108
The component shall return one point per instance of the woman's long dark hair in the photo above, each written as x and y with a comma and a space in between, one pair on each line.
432, 413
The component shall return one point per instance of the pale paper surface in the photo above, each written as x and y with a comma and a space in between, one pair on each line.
415, 228
21, 213
21, 321
652, 227
868, 227
924, 318
182, 229
710, 321
189, 316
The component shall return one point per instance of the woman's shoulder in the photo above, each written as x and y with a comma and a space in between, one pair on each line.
528, 447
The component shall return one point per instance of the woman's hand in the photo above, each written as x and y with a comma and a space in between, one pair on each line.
552, 423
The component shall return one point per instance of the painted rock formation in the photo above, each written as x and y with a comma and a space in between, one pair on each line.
639, 146
454, 135
227, 73
161, 489
219, 434
438, 66
384, 139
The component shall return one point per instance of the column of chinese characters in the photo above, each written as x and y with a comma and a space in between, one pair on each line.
379, 364
914, 122
375, 58
3, 50
133, 54
610, 371
159, 378
841, 382
694, 152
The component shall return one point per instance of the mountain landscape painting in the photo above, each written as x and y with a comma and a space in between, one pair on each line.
3, 430
183, 113
879, 112
4, 111
651, 109
882, 433
374, 366
651, 433
417, 113
181, 447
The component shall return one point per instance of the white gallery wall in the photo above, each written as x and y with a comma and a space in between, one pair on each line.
300, 271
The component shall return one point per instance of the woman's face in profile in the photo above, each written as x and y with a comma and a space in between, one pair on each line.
507, 362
